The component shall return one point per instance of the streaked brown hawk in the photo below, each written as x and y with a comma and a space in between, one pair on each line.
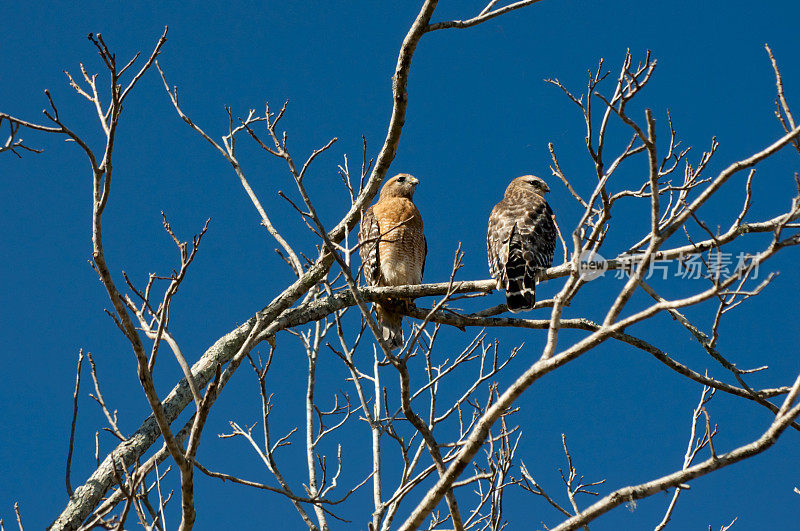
521, 240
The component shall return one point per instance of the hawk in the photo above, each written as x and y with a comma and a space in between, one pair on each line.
393, 247
520, 240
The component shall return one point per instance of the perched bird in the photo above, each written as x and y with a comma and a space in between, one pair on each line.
520, 240
393, 247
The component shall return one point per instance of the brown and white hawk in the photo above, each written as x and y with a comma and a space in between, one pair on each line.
521, 240
393, 247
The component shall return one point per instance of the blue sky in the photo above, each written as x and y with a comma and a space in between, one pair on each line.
479, 114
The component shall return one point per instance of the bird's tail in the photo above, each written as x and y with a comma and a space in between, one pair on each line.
391, 325
520, 287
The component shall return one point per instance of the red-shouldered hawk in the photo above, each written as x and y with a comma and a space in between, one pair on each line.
393, 247
521, 239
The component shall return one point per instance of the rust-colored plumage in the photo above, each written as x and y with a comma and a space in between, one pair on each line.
393, 247
520, 240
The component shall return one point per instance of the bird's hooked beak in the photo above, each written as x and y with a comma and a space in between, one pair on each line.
413, 180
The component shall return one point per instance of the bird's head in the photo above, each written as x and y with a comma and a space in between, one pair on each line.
401, 185
528, 183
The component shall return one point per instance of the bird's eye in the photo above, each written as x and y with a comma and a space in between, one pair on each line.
401, 179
